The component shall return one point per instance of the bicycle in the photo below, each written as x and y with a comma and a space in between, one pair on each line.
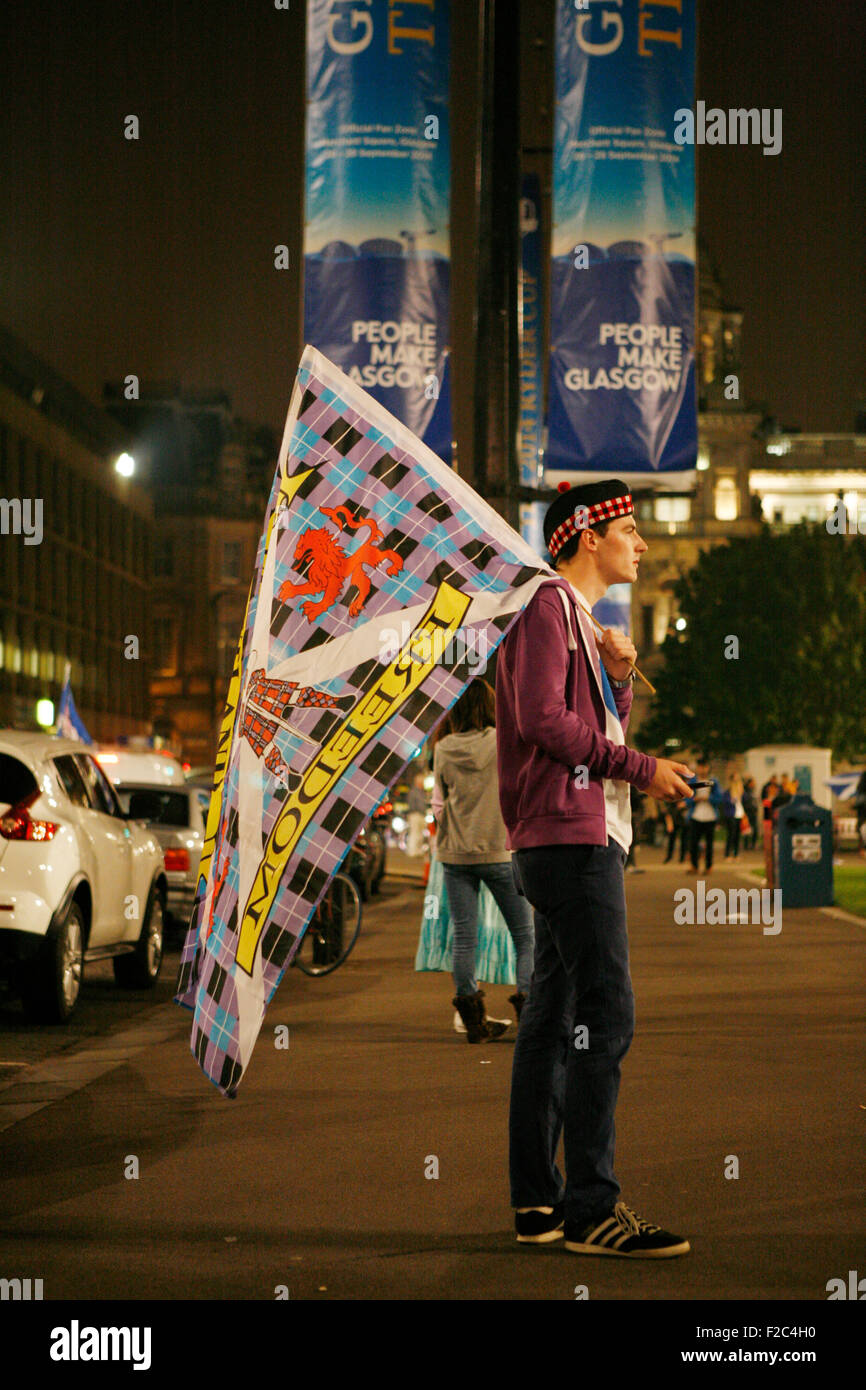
334, 929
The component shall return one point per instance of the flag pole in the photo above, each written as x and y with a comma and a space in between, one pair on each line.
650, 688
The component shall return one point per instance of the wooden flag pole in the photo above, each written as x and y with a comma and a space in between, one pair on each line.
650, 688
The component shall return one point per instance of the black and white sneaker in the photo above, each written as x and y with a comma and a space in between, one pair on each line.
537, 1227
624, 1233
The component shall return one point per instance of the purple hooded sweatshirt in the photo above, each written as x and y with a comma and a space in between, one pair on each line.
550, 719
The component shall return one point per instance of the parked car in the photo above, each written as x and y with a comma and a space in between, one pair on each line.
177, 817
78, 881
149, 768
152, 787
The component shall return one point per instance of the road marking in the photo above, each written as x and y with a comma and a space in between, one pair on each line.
844, 916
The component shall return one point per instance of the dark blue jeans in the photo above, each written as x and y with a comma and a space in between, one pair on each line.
575, 1029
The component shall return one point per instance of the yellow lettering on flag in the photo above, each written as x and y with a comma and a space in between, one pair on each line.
391, 691
288, 488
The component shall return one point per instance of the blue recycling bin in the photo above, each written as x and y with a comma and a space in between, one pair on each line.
803, 853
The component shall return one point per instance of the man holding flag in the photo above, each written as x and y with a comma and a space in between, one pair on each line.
563, 701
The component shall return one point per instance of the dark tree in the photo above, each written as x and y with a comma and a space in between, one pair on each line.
774, 650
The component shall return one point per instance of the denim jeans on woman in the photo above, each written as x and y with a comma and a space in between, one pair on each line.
575, 1029
463, 884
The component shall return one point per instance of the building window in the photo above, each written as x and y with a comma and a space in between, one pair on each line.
227, 644
163, 557
231, 560
58, 521
165, 646
672, 508
727, 500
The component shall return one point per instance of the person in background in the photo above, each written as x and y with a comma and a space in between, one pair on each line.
470, 845
676, 825
652, 819
732, 810
703, 813
770, 786
768, 794
860, 803
417, 816
750, 809
786, 793
636, 800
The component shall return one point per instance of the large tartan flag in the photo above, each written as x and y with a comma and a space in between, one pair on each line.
382, 581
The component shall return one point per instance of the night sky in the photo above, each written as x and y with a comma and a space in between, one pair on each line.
156, 256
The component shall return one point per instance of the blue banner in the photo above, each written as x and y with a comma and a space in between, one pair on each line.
376, 241
532, 526
530, 329
69, 723
622, 397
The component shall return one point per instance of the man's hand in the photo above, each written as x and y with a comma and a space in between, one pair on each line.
618, 653
668, 782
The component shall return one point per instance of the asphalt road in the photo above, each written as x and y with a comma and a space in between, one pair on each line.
749, 1047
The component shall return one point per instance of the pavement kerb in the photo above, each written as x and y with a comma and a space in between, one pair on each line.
837, 913
66, 1073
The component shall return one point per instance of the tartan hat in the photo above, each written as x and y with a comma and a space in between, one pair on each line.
578, 508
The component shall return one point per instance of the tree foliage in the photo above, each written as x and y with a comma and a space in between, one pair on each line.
796, 603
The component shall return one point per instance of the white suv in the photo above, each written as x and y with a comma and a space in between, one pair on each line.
78, 882
151, 787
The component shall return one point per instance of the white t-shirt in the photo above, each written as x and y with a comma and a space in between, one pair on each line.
704, 810
617, 800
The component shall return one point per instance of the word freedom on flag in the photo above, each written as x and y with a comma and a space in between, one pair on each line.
366, 531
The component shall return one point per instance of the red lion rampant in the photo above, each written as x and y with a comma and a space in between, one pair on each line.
329, 566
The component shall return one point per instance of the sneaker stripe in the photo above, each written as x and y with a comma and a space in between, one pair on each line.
627, 1235
602, 1233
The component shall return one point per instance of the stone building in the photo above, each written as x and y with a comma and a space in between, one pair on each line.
76, 588
209, 475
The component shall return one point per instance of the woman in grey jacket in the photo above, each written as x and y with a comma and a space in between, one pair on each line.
470, 845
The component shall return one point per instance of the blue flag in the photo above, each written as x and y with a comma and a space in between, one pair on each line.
69, 723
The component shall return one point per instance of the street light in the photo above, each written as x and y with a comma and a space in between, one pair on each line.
45, 713
125, 465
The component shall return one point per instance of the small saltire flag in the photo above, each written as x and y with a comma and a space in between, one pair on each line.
381, 581
69, 723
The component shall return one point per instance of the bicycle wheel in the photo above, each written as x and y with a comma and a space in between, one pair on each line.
333, 930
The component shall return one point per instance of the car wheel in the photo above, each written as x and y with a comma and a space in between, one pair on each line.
140, 968
51, 991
